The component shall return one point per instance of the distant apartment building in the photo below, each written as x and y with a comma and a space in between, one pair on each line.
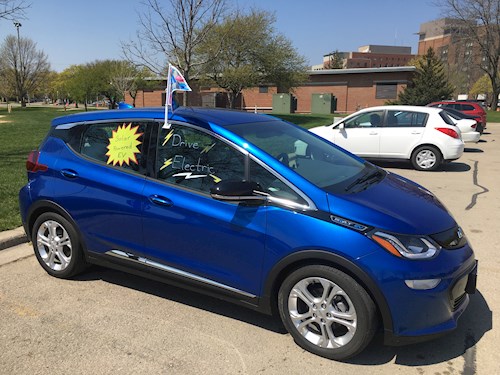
370, 56
461, 56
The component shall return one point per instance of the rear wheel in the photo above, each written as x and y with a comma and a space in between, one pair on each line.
327, 312
426, 158
57, 246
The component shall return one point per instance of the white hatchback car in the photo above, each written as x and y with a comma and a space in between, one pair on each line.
426, 136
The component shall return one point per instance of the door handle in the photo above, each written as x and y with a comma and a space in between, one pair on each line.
373, 133
416, 132
161, 201
69, 173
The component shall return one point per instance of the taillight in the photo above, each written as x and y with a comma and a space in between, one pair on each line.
474, 126
452, 133
32, 164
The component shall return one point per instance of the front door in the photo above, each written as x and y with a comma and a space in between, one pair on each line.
361, 134
188, 232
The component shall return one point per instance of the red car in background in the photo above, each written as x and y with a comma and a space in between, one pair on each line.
470, 108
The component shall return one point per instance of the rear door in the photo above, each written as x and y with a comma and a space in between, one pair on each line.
101, 180
402, 131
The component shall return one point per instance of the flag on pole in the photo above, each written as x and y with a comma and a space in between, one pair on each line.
175, 82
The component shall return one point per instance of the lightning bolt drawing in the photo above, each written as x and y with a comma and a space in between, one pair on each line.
189, 175
215, 178
166, 164
167, 137
207, 149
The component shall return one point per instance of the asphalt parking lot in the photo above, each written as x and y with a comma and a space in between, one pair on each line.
106, 322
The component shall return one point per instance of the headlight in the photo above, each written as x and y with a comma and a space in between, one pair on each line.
412, 247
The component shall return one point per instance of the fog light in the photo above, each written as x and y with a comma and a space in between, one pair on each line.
422, 284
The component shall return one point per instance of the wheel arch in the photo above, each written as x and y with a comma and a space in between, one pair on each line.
300, 259
42, 206
426, 145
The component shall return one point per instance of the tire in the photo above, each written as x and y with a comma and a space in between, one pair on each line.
426, 158
327, 312
57, 246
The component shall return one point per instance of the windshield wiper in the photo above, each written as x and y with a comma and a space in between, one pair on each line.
365, 178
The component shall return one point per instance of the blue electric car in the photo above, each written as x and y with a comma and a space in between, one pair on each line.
253, 210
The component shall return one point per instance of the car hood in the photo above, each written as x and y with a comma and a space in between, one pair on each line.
394, 204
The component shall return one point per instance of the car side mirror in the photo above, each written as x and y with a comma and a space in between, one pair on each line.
341, 126
238, 191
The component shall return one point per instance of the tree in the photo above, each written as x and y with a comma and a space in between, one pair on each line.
480, 22
22, 66
335, 60
429, 83
482, 87
173, 35
76, 83
13, 9
244, 51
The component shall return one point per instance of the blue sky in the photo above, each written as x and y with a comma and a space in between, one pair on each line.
81, 31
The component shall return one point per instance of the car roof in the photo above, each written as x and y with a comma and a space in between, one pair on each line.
402, 108
197, 115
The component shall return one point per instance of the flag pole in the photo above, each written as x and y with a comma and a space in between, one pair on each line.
168, 93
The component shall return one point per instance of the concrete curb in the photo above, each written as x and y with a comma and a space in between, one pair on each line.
12, 237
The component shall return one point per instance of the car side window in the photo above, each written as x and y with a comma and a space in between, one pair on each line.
121, 144
272, 185
406, 119
365, 120
195, 160
467, 107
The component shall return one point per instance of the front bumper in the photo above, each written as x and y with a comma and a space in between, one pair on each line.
459, 300
414, 315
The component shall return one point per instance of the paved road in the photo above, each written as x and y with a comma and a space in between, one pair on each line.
108, 322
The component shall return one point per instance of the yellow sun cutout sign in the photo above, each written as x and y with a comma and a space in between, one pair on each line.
123, 145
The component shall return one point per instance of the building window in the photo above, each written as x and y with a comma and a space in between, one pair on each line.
263, 89
386, 91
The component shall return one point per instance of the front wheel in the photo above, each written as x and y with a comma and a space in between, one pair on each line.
426, 158
57, 246
327, 312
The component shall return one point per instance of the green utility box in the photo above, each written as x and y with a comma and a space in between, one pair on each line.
323, 103
283, 103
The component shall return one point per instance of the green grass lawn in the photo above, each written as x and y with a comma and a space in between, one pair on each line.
20, 132
493, 116
307, 120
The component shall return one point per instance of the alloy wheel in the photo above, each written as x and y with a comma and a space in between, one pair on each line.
322, 312
54, 246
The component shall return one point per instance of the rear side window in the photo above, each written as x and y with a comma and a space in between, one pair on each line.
406, 119
466, 107
121, 144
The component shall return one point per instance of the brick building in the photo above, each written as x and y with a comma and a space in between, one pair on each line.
371, 56
461, 55
353, 89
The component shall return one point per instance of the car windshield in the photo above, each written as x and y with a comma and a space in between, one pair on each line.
318, 161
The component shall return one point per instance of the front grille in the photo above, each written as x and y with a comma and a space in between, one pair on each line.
450, 239
458, 301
